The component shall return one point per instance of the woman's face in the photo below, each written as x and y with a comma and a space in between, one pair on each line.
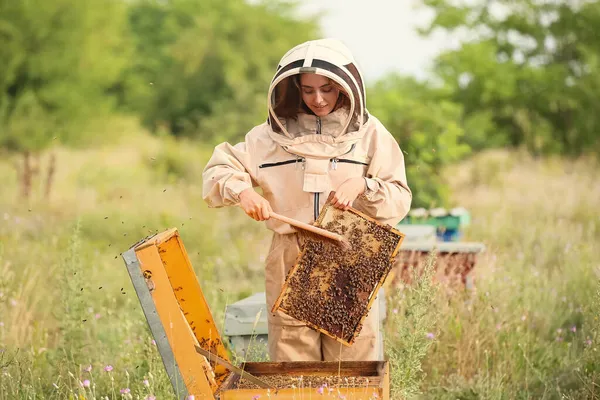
318, 93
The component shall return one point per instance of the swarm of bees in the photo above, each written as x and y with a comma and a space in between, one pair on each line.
331, 288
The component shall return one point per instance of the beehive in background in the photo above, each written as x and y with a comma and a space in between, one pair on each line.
332, 288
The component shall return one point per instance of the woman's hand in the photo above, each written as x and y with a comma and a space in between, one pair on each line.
347, 192
256, 206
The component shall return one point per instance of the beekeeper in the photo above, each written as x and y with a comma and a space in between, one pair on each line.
319, 137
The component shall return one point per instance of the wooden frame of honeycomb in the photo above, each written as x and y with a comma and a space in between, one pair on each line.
332, 289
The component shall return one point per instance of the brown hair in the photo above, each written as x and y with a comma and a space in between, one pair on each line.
288, 98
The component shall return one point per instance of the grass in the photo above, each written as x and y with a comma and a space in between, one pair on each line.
530, 329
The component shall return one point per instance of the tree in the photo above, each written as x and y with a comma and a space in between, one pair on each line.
203, 67
59, 60
428, 128
531, 65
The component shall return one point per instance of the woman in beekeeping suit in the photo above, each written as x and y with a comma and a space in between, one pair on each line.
319, 137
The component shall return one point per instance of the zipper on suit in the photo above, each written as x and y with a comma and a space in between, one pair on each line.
277, 164
317, 194
335, 161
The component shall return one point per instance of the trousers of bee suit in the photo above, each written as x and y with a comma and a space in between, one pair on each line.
292, 340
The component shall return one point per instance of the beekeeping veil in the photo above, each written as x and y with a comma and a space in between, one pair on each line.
332, 59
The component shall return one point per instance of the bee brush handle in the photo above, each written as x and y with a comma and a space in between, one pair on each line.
308, 227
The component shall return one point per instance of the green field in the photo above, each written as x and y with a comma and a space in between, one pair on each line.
528, 330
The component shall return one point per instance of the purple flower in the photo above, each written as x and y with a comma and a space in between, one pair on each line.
559, 339
154, 343
97, 316
85, 383
88, 368
125, 390
320, 390
430, 335
255, 397
573, 329
588, 342
146, 383
108, 368
395, 311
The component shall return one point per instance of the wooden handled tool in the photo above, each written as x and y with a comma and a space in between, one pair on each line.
213, 357
308, 227
339, 239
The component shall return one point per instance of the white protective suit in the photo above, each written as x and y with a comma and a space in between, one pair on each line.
298, 161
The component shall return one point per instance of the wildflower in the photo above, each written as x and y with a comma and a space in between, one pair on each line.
524, 317
191, 396
146, 382
559, 339
154, 343
573, 329
13, 302
125, 391
88, 368
430, 335
108, 368
395, 311
320, 390
85, 383
588, 342
256, 397
150, 397
97, 316
498, 326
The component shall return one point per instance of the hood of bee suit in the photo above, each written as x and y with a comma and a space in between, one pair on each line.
332, 59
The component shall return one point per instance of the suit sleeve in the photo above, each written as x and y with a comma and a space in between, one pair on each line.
228, 172
387, 196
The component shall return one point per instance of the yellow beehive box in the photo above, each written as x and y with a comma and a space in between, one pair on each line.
180, 319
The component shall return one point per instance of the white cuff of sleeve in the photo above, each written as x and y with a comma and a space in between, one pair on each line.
234, 189
371, 188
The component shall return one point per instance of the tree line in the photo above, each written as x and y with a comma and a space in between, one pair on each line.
527, 76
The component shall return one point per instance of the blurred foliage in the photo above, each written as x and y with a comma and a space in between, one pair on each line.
527, 75
426, 125
531, 66
203, 67
59, 59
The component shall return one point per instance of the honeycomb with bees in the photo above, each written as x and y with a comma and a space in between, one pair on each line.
331, 288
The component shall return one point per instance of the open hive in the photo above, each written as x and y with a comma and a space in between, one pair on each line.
180, 319
332, 288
